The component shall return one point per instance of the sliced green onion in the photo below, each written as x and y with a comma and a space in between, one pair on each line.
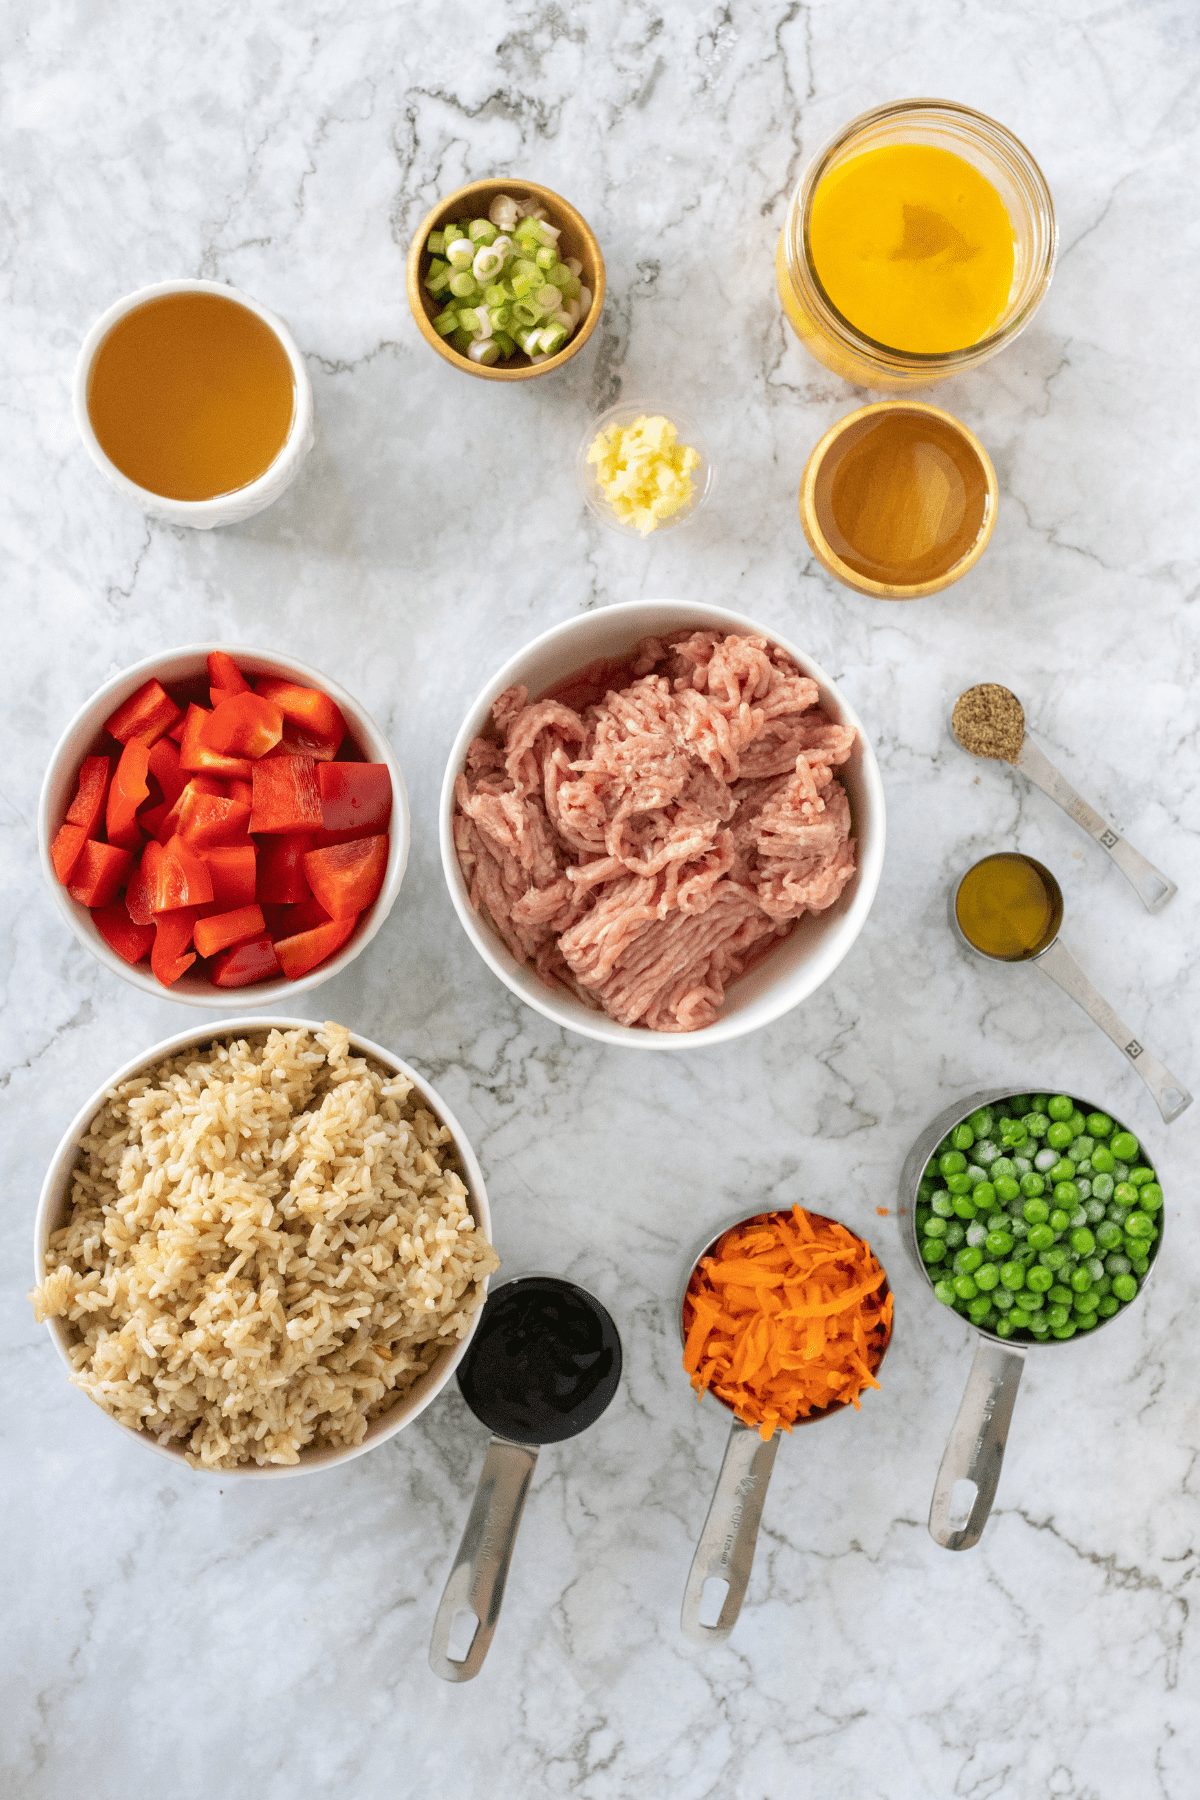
546, 257
553, 337
462, 341
446, 322
503, 212
526, 313
436, 243
500, 317
481, 231
484, 350
438, 279
499, 294
530, 340
559, 275
462, 284
504, 344
460, 253
575, 266
521, 286
488, 263
547, 298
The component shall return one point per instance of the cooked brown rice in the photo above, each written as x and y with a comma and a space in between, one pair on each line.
268, 1245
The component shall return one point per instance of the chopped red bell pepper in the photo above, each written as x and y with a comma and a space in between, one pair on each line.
281, 879
146, 715
164, 766
242, 725
179, 878
286, 795
99, 873
356, 801
194, 755
203, 819
67, 849
246, 963
172, 935
121, 933
212, 785
224, 676
175, 732
347, 877
290, 921
91, 794
312, 714
241, 790
128, 791
219, 930
297, 955
232, 872
143, 884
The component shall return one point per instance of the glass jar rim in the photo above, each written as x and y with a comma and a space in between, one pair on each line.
800, 211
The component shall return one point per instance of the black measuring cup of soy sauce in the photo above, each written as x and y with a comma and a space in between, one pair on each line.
543, 1365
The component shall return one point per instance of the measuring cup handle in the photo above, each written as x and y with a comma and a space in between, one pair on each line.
726, 1547
975, 1451
1170, 1095
1153, 887
481, 1567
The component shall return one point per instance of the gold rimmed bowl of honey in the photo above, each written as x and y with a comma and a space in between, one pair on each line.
920, 241
898, 500
194, 402
1008, 908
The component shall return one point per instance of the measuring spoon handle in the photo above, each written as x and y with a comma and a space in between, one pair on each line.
1170, 1095
1153, 888
481, 1567
726, 1548
975, 1451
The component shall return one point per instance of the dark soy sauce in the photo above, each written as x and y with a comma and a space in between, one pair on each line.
544, 1362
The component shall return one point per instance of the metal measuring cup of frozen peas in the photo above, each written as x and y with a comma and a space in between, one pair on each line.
975, 1451
543, 1365
1009, 908
725, 1552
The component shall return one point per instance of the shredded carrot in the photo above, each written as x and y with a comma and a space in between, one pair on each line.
790, 1315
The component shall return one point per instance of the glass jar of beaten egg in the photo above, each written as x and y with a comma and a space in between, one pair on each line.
920, 242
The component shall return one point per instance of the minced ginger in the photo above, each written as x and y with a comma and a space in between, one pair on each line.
643, 471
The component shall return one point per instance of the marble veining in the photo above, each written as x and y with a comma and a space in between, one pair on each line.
166, 1632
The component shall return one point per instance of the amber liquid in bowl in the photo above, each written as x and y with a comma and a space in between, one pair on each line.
901, 498
191, 396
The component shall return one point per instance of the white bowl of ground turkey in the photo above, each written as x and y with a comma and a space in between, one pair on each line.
779, 973
56, 1208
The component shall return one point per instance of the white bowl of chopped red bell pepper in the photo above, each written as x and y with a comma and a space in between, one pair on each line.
223, 824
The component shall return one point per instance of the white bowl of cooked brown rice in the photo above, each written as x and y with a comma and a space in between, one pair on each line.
662, 825
262, 1247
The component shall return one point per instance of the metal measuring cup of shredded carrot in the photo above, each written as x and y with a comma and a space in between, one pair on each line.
785, 1318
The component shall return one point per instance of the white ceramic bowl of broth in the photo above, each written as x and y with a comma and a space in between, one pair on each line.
84, 736
55, 1202
793, 968
225, 508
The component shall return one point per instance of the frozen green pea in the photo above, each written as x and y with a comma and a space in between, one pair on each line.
987, 1277
959, 1184
962, 1137
1039, 1280
932, 1250
1081, 1147
1062, 1170
1036, 1124
1060, 1107
1099, 1124
956, 1233
977, 1234
1108, 1306
1102, 1187
980, 1121
1125, 1193
1124, 1146
1002, 1299
1059, 1295
983, 1195
986, 1152
1007, 1188
952, 1162
935, 1228
1058, 1136
1081, 1281
1116, 1265
1124, 1287
1150, 1198
964, 1287
1012, 1275
945, 1292
1058, 1221
1103, 1160
1140, 1176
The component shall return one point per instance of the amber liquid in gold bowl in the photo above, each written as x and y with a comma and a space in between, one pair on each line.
191, 396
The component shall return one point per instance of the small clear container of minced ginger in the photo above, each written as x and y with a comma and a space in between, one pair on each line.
920, 242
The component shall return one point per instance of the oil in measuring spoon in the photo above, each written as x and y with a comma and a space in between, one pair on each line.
544, 1362
1005, 909
191, 396
901, 498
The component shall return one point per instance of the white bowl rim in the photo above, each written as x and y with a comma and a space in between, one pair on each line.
192, 511
599, 1026
100, 706
54, 1194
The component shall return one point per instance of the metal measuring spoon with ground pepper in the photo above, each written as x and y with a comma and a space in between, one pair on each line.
989, 720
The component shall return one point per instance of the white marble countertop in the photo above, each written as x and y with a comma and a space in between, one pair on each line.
167, 1633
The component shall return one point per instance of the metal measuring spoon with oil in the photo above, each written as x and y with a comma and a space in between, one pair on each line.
1009, 908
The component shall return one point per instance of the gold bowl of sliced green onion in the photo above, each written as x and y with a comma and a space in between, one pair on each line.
505, 280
